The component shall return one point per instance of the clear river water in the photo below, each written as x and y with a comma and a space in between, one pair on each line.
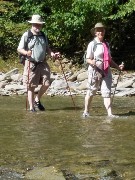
94, 148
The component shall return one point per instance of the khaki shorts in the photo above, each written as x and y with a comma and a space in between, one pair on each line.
104, 84
41, 74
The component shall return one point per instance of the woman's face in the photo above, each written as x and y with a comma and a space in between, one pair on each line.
99, 33
36, 27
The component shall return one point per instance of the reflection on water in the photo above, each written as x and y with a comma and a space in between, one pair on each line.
60, 137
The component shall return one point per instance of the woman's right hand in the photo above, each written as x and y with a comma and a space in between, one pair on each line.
29, 53
93, 62
121, 66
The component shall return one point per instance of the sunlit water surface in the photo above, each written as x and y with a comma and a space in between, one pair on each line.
60, 137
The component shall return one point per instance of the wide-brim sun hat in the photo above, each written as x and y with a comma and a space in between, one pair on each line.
98, 25
36, 19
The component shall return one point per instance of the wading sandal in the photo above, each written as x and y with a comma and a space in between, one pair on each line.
85, 115
39, 106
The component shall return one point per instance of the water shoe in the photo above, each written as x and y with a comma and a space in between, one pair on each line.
39, 106
85, 115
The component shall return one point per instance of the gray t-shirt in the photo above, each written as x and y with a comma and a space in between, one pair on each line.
37, 44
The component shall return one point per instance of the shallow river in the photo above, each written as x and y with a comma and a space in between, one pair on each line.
93, 148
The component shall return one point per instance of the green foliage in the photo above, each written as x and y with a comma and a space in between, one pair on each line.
68, 23
6, 33
124, 10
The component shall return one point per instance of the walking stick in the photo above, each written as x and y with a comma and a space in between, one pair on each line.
28, 85
67, 84
116, 84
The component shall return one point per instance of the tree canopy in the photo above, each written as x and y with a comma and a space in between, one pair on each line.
68, 24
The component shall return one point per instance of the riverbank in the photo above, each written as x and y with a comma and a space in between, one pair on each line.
74, 84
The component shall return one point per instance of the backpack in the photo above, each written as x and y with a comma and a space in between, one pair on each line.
94, 49
22, 57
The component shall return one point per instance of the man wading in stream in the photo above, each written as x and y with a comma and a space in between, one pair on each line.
36, 69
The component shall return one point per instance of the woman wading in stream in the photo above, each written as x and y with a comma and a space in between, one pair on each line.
99, 61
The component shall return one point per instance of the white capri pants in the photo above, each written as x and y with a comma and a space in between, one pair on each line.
94, 84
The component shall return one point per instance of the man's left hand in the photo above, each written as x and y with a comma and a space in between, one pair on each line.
55, 55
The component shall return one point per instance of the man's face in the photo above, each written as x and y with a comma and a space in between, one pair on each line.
100, 32
36, 27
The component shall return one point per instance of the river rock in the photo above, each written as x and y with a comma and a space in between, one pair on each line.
74, 76
4, 92
3, 84
2, 77
125, 84
16, 77
83, 85
82, 76
125, 93
46, 173
14, 87
133, 85
65, 60
8, 78
10, 174
59, 84
12, 72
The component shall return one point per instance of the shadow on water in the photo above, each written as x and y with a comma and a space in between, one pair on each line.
130, 113
94, 148
66, 109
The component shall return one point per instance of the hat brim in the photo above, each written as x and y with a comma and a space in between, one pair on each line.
93, 30
36, 22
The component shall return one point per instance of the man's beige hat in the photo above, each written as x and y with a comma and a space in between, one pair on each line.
98, 25
36, 19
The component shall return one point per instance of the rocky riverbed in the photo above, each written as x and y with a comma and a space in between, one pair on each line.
11, 83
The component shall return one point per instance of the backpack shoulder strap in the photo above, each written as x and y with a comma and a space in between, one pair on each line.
30, 34
95, 45
44, 36
98, 43
107, 44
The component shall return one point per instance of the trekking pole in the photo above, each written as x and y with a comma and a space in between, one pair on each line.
67, 84
28, 85
116, 84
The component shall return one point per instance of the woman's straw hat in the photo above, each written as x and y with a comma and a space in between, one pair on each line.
36, 19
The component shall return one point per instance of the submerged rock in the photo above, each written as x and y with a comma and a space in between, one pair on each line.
9, 174
46, 173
